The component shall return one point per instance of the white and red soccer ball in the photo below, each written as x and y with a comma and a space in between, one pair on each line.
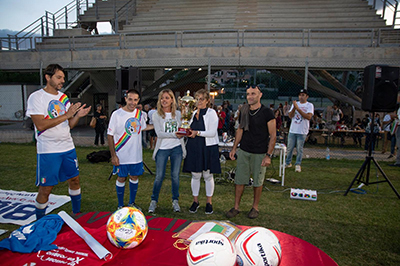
258, 246
211, 249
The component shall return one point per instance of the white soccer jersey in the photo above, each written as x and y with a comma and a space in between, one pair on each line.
55, 139
126, 128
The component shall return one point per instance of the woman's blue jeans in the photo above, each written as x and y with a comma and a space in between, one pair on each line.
175, 155
298, 140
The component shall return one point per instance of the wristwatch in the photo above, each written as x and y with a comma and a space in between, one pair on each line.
269, 155
198, 133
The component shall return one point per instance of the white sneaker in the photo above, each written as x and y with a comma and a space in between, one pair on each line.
175, 206
153, 206
298, 168
288, 165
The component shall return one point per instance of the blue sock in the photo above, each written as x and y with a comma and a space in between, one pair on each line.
133, 187
40, 213
40, 209
76, 197
76, 203
120, 187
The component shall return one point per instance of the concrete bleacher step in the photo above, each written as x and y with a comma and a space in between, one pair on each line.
254, 25
105, 11
199, 19
195, 15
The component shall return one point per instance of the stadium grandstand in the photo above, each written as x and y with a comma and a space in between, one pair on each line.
307, 42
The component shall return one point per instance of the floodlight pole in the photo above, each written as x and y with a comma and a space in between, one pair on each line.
367, 165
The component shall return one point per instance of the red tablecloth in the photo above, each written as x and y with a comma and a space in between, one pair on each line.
157, 249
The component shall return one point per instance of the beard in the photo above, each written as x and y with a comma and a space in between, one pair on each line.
57, 86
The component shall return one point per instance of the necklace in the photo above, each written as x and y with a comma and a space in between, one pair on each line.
255, 111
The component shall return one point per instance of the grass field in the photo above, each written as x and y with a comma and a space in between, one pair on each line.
359, 229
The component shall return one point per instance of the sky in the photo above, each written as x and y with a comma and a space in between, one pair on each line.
15, 15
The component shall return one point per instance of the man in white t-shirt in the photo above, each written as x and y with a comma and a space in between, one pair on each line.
300, 113
125, 143
53, 116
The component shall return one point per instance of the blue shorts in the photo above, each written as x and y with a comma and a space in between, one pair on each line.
123, 170
53, 168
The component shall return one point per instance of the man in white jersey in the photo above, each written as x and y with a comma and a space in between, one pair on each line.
53, 116
125, 143
300, 113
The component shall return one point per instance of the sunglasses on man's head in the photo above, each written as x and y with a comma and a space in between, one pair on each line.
253, 87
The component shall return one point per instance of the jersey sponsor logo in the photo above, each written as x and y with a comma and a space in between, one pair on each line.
55, 109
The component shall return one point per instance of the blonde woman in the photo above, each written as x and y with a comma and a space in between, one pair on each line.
202, 150
166, 122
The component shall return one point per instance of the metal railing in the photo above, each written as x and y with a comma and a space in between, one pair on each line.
127, 9
45, 25
65, 18
224, 38
388, 6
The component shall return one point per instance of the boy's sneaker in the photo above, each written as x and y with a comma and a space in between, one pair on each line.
298, 168
288, 165
194, 207
153, 206
175, 206
209, 208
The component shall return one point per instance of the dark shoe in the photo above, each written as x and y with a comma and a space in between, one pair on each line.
133, 205
253, 213
397, 165
232, 213
209, 208
194, 207
390, 156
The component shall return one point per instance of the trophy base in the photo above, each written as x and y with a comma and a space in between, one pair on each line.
184, 131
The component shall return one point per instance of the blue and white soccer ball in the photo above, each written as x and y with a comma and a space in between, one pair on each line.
258, 246
211, 249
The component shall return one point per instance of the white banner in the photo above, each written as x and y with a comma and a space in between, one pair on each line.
18, 207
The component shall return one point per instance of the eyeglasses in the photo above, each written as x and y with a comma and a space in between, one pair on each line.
200, 99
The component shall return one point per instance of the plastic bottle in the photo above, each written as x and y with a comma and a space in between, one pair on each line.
328, 157
222, 159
